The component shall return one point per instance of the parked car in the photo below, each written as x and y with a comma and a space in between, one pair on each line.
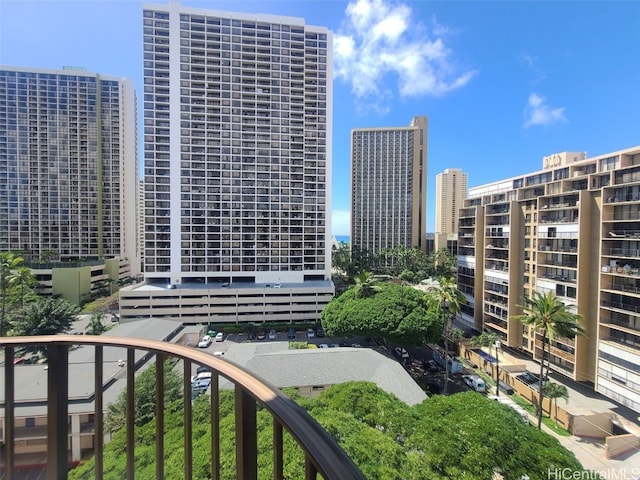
311, 333
474, 382
261, 335
272, 334
319, 332
402, 352
291, 334
202, 369
201, 384
204, 342
200, 376
218, 354
219, 337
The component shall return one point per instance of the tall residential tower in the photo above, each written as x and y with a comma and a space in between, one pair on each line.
573, 229
388, 186
451, 190
237, 164
68, 168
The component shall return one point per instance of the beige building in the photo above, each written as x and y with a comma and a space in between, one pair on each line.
389, 187
237, 123
451, 190
572, 228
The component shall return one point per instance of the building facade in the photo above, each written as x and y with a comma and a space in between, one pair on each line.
237, 117
389, 187
572, 228
451, 190
68, 167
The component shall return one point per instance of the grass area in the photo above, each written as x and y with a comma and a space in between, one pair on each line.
549, 422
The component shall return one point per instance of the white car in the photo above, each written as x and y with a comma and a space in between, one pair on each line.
200, 376
311, 333
204, 342
218, 354
219, 337
272, 335
402, 352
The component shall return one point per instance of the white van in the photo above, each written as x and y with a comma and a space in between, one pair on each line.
475, 382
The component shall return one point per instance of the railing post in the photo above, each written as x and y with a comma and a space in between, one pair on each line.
160, 416
9, 413
278, 462
57, 411
246, 436
98, 417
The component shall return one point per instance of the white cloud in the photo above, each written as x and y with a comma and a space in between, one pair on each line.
341, 222
537, 112
380, 39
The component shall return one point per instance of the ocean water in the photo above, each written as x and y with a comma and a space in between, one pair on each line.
343, 238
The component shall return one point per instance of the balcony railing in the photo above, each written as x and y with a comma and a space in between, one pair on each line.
322, 454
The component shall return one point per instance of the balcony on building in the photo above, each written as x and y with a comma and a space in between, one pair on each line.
60, 430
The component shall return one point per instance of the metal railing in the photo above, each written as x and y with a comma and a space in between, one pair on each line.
322, 454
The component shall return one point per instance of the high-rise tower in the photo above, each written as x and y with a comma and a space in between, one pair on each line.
388, 186
451, 190
68, 165
237, 118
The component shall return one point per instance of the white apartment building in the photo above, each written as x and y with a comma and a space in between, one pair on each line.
572, 228
68, 169
389, 186
237, 167
451, 190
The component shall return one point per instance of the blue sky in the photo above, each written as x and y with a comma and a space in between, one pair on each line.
503, 83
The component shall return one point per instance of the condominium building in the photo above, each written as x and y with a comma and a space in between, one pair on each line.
68, 167
237, 117
572, 228
451, 190
388, 186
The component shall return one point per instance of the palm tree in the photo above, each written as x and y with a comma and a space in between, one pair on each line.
364, 285
9, 263
489, 339
446, 299
23, 278
553, 391
551, 318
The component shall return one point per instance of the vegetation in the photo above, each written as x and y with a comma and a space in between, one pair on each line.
395, 313
144, 398
47, 316
96, 324
463, 436
489, 339
444, 300
9, 265
554, 391
551, 318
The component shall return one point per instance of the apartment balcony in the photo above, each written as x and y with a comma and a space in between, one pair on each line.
322, 455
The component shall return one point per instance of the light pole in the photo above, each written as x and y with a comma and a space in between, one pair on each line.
496, 345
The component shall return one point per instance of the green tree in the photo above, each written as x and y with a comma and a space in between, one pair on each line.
395, 313
546, 315
96, 324
9, 264
47, 316
144, 398
444, 299
553, 391
25, 281
463, 436
341, 259
489, 339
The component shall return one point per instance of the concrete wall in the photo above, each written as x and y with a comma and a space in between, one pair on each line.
597, 425
620, 444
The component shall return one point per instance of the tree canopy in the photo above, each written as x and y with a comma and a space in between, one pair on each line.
462, 436
393, 312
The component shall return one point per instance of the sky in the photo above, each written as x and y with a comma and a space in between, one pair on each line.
503, 83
